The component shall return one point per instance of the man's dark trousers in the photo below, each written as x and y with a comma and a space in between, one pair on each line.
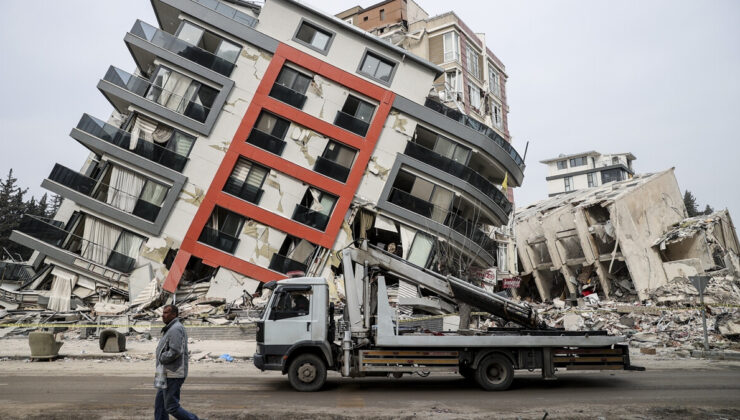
168, 402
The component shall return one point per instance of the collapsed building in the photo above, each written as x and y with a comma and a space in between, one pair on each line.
250, 143
624, 240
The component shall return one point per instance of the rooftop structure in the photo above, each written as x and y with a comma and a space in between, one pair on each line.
567, 173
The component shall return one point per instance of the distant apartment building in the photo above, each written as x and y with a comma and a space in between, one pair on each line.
567, 173
251, 142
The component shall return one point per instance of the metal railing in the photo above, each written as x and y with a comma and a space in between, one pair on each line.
218, 239
283, 264
157, 94
461, 171
266, 141
331, 169
228, 11
351, 123
313, 218
288, 95
477, 126
182, 48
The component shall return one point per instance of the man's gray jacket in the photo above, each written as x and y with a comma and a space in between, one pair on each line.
172, 350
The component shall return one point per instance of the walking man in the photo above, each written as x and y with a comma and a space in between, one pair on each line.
172, 354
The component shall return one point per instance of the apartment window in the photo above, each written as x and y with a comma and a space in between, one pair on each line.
377, 67
441, 145
615, 160
314, 37
269, 132
494, 81
562, 164
568, 183
181, 94
611, 175
579, 161
336, 161
382, 14
421, 249
295, 255
355, 115
453, 81
474, 93
451, 43
290, 87
498, 119
591, 179
246, 180
315, 208
208, 41
222, 230
471, 56
150, 200
421, 196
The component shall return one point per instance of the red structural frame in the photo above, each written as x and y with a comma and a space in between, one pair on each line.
239, 147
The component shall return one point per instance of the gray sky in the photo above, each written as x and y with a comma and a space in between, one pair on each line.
657, 78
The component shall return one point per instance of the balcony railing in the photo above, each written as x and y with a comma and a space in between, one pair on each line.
229, 12
86, 185
147, 90
243, 190
122, 139
266, 141
178, 46
305, 215
351, 123
56, 236
477, 126
218, 239
283, 264
288, 95
441, 215
331, 169
461, 171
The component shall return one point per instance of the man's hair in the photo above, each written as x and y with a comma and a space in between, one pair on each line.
173, 308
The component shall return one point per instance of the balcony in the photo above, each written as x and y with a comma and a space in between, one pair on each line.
218, 239
266, 141
331, 169
87, 186
56, 237
145, 89
122, 139
409, 202
228, 11
283, 264
243, 190
477, 126
460, 171
288, 95
351, 123
175, 45
308, 217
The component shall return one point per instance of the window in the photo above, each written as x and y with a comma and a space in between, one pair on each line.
611, 175
494, 81
181, 94
471, 56
291, 304
615, 160
311, 36
222, 230
382, 14
591, 179
377, 67
579, 161
150, 200
441, 145
294, 255
568, 183
453, 81
364, 19
451, 43
562, 164
246, 180
498, 119
422, 196
293, 80
315, 208
272, 125
421, 248
359, 109
474, 93
336, 161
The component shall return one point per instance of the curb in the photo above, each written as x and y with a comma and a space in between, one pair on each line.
716, 354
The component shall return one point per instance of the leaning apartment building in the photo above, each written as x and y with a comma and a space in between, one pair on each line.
251, 142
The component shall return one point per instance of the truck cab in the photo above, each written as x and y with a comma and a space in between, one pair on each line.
295, 334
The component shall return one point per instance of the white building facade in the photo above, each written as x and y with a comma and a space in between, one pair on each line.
586, 170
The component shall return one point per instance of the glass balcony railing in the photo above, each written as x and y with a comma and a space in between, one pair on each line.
461, 171
305, 215
266, 141
86, 185
218, 239
176, 45
157, 94
283, 264
56, 236
243, 190
351, 123
122, 139
288, 95
331, 169
229, 12
477, 126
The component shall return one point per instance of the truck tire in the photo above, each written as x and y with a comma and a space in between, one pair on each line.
494, 373
467, 372
307, 373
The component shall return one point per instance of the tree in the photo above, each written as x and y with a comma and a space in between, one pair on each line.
12, 208
690, 202
708, 210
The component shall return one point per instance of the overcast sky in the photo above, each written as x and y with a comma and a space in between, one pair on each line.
660, 79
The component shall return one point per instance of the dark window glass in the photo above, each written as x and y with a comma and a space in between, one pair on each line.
377, 67
314, 36
270, 124
339, 153
294, 80
359, 109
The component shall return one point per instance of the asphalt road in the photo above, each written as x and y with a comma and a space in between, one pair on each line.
667, 393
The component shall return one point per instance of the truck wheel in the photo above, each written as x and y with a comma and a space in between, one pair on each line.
307, 373
466, 372
494, 373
